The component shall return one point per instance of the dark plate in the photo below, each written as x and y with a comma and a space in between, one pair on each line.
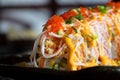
8, 69
28, 73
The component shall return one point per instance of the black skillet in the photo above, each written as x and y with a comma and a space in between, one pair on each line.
8, 69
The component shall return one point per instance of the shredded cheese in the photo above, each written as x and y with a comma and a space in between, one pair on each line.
71, 47
80, 38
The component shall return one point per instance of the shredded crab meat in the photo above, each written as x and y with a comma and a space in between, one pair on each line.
45, 55
33, 55
80, 38
55, 35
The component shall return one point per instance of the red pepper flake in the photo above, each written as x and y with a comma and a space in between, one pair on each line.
70, 30
67, 15
113, 4
83, 11
95, 9
54, 24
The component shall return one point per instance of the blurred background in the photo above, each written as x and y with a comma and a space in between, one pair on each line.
22, 20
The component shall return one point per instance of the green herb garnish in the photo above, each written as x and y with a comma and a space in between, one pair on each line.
59, 32
91, 37
75, 30
79, 17
69, 21
94, 37
102, 9
112, 33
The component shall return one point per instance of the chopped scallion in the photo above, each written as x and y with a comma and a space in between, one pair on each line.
112, 33
102, 9
75, 30
92, 37
69, 21
59, 32
79, 17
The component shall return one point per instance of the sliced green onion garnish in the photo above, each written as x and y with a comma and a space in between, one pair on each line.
102, 9
112, 33
75, 30
79, 17
69, 21
92, 37
59, 32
